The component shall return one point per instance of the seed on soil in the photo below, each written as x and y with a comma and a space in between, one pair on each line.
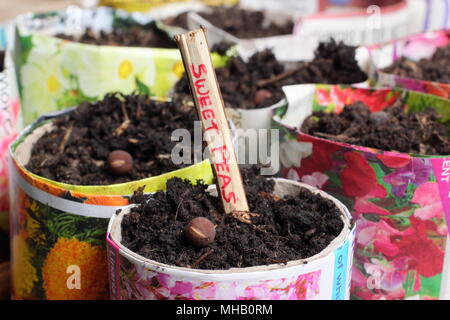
262, 95
200, 232
120, 162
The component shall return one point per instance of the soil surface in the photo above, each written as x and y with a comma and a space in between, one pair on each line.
2, 60
132, 36
391, 130
437, 68
245, 24
76, 150
178, 21
291, 228
241, 81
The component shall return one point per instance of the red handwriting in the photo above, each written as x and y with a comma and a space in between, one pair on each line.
221, 155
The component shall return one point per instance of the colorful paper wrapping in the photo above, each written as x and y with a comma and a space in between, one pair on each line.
323, 276
143, 6
58, 230
399, 201
413, 47
9, 125
363, 24
56, 74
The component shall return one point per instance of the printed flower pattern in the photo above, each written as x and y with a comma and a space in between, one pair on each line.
140, 283
394, 199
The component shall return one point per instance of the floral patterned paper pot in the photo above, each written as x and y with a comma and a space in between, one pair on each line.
399, 201
10, 122
57, 73
323, 276
415, 48
58, 230
359, 24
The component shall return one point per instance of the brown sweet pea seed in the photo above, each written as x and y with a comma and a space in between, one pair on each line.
200, 232
262, 95
120, 162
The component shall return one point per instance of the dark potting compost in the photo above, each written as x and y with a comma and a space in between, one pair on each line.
437, 68
392, 129
77, 149
291, 228
258, 82
245, 24
178, 20
130, 36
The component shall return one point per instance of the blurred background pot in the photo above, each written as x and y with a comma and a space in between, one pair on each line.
415, 47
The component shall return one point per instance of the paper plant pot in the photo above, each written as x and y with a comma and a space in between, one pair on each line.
415, 47
323, 276
399, 201
367, 25
58, 230
285, 47
10, 122
56, 73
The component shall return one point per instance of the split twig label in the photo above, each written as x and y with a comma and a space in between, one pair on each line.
208, 100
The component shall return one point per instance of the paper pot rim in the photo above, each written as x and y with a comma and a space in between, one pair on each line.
114, 227
106, 190
374, 150
362, 13
276, 105
25, 27
408, 79
411, 37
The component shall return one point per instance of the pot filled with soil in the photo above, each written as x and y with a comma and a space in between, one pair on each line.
70, 171
67, 57
9, 126
384, 153
252, 89
252, 30
419, 63
298, 245
356, 22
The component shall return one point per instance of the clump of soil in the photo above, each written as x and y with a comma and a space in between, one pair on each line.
391, 129
75, 151
436, 69
238, 80
245, 24
131, 36
287, 229
241, 82
2, 60
178, 21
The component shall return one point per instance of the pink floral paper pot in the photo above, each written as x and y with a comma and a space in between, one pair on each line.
399, 201
414, 47
323, 276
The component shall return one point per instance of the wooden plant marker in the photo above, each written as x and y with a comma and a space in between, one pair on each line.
209, 103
